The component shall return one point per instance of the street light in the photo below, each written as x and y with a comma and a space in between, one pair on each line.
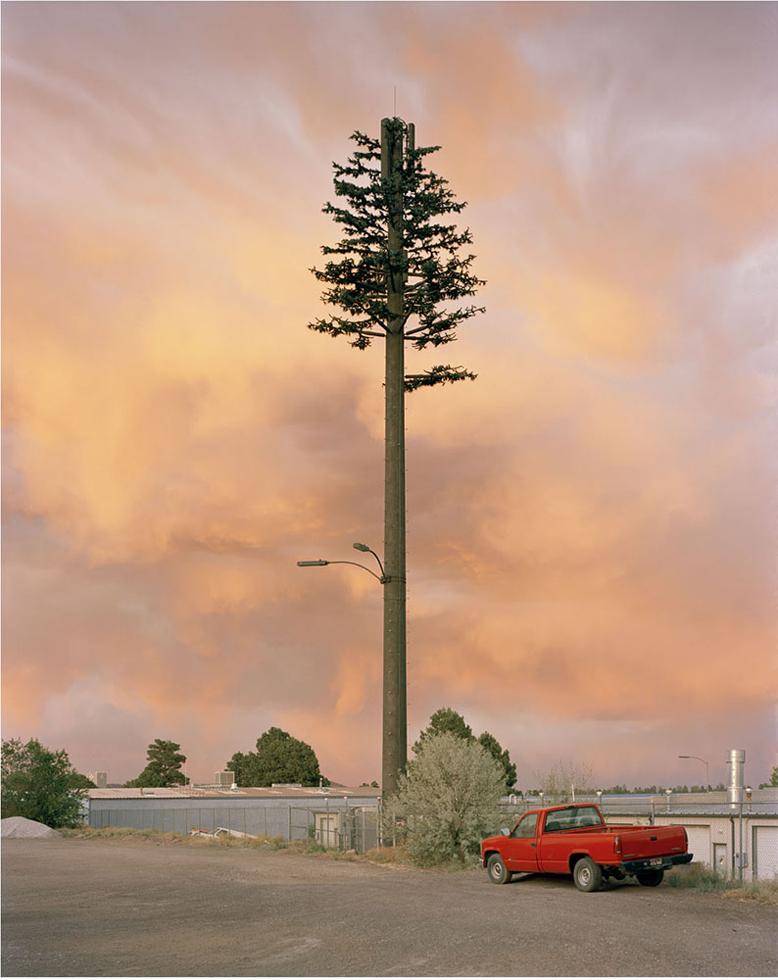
705, 763
320, 562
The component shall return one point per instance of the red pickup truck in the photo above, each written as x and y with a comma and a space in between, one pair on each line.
574, 839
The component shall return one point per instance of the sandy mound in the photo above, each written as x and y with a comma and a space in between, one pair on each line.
22, 827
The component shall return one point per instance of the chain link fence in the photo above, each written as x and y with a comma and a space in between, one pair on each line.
340, 828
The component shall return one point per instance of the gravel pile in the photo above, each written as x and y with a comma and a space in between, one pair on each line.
22, 827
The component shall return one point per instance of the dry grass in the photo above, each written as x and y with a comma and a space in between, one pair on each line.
396, 857
310, 847
167, 837
703, 879
763, 892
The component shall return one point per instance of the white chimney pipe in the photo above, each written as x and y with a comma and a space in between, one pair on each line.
737, 763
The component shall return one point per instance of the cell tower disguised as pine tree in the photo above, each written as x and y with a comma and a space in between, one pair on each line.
398, 274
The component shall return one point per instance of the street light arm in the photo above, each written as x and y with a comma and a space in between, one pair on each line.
380, 564
369, 571
322, 561
703, 761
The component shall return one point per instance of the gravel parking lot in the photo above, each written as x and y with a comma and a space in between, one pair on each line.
75, 907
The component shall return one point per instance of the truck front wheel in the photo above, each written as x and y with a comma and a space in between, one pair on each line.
650, 878
498, 873
587, 875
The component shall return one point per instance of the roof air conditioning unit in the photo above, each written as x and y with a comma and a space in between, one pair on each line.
225, 778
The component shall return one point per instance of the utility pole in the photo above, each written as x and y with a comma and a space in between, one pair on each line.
398, 259
395, 739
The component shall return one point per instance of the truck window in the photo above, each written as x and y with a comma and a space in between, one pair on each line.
527, 826
572, 817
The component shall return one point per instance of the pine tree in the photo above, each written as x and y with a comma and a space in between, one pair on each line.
163, 768
398, 274
501, 755
445, 720
280, 758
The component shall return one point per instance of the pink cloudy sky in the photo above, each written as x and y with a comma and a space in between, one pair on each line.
592, 572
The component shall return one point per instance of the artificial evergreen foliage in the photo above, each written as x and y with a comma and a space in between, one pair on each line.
433, 269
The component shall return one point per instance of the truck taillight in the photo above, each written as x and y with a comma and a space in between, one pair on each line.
617, 844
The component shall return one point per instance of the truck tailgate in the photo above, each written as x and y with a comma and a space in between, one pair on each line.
641, 842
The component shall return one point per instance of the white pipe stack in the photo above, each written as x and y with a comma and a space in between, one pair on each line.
737, 764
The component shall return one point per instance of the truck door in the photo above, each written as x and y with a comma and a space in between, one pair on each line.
520, 850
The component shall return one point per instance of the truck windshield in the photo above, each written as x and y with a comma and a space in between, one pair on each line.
572, 817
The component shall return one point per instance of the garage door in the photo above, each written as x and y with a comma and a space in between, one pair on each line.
765, 852
699, 843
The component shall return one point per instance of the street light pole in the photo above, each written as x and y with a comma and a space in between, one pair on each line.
704, 762
390, 747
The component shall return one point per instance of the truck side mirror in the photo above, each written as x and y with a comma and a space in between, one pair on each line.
505, 831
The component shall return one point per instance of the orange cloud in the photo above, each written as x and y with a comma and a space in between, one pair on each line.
590, 544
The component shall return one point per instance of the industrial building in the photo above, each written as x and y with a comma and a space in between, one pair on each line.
734, 831
338, 817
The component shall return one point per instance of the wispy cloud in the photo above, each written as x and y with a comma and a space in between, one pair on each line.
591, 523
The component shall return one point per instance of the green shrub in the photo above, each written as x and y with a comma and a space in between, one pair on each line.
447, 801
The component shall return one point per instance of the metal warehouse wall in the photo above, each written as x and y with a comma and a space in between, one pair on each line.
356, 824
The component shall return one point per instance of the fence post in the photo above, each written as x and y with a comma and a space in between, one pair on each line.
290, 821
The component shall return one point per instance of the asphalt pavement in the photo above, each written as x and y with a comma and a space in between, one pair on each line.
74, 907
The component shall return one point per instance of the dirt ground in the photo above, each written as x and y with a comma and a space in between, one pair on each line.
76, 907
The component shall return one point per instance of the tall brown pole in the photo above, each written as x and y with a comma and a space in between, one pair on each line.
395, 711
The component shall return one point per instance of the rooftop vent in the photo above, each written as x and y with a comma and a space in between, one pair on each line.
225, 778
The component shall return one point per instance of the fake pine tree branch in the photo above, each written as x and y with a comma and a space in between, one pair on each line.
432, 271
439, 375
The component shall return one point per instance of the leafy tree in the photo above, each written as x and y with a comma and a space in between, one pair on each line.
449, 720
80, 781
502, 756
445, 720
40, 784
448, 799
163, 767
773, 779
279, 758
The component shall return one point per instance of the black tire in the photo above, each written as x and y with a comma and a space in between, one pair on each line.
650, 878
587, 875
496, 870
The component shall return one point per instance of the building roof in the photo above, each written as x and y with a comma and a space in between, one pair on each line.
271, 792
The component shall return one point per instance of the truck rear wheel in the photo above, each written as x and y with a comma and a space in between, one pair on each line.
650, 878
587, 875
498, 873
